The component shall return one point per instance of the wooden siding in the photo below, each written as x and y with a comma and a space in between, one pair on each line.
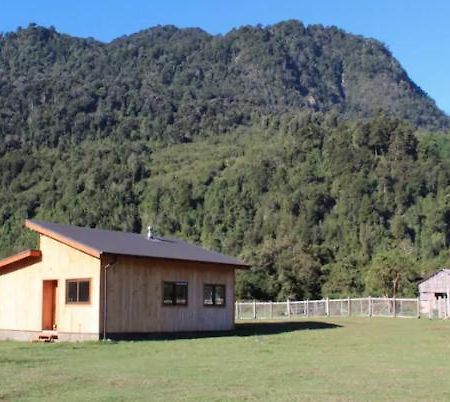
21, 291
438, 283
135, 296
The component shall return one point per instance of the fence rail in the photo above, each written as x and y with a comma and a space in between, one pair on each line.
367, 306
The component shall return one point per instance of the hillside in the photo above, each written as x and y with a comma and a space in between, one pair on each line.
265, 143
317, 210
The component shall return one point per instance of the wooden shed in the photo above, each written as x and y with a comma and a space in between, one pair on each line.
434, 293
88, 284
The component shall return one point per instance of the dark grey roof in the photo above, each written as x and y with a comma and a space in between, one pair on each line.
132, 244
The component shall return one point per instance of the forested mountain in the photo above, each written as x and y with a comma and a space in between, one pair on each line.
175, 84
295, 148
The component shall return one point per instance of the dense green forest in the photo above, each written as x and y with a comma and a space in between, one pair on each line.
305, 151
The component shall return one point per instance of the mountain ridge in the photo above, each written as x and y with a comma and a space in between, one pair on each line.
174, 84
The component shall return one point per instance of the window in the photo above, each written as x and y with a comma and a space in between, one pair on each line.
214, 295
175, 293
77, 290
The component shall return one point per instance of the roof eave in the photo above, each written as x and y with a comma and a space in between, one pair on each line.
22, 256
431, 275
225, 265
63, 239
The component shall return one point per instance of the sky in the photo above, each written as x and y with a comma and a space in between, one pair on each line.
416, 32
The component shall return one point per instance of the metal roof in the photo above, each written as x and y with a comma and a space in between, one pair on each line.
98, 241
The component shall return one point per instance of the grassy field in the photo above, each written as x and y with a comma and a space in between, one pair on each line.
330, 359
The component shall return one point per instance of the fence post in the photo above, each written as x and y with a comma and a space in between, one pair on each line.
448, 305
288, 308
236, 310
418, 307
370, 306
394, 307
430, 309
327, 307
349, 309
271, 309
307, 307
254, 309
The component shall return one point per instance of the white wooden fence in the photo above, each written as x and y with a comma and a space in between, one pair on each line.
435, 307
367, 306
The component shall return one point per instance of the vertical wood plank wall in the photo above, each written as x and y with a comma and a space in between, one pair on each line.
135, 296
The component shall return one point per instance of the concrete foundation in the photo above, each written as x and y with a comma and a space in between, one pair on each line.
28, 336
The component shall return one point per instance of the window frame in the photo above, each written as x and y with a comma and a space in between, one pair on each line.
174, 285
214, 291
78, 281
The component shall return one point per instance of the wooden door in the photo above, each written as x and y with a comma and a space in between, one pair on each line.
49, 304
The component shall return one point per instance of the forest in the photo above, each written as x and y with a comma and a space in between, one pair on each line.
305, 151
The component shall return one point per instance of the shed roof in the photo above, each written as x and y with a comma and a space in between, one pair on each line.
96, 242
445, 270
24, 256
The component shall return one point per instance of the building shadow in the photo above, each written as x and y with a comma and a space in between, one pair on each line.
242, 329
272, 328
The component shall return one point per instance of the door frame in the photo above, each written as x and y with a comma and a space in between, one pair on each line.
49, 304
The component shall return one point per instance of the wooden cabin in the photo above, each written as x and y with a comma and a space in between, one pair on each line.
434, 293
90, 284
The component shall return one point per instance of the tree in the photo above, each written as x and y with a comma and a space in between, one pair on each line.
391, 274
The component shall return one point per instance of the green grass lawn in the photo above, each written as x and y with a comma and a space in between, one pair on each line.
329, 359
